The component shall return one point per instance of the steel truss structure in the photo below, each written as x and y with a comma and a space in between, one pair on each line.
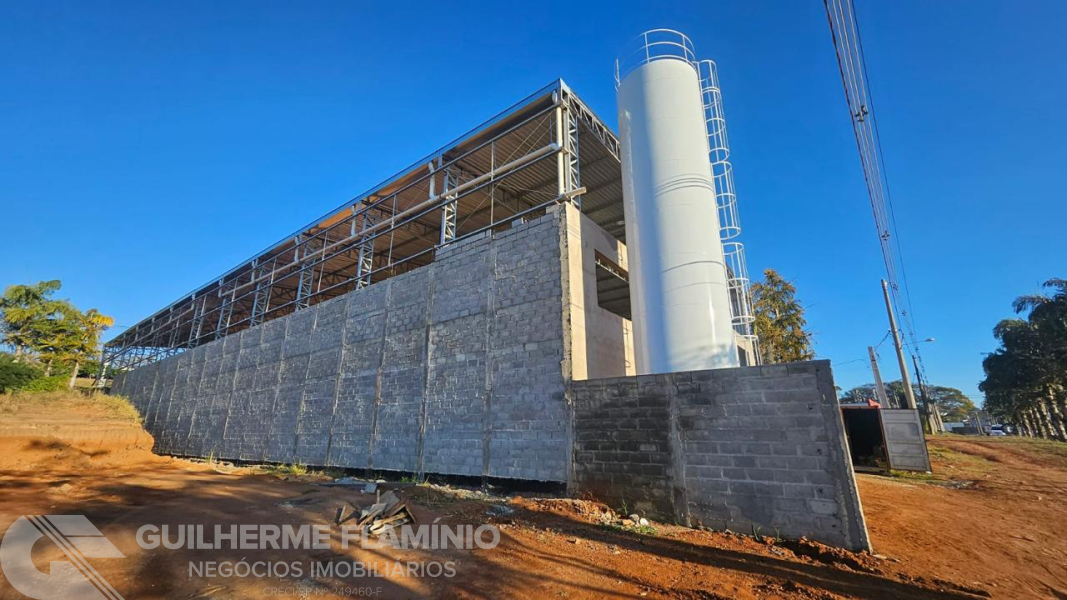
510, 168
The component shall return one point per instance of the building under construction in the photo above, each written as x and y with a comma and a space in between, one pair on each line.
480, 314
545, 151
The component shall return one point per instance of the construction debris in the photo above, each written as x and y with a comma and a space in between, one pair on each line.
369, 486
387, 512
348, 482
500, 510
346, 513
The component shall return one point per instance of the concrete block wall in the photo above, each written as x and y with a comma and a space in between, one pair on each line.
601, 341
752, 449
453, 368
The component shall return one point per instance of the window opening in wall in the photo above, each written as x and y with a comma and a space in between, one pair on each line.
742, 355
612, 287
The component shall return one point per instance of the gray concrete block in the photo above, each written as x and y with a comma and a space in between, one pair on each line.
770, 456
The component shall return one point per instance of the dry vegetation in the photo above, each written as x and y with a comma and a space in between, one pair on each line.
69, 402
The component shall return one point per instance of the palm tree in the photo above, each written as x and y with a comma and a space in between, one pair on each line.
1026, 378
1034, 301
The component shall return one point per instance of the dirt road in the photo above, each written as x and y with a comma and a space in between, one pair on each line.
988, 524
993, 518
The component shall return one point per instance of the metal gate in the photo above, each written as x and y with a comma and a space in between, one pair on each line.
905, 441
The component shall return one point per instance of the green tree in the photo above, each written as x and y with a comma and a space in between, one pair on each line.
25, 311
15, 374
58, 336
1026, 378
81, 346
52, 330
858, 394
953, 404
780, 323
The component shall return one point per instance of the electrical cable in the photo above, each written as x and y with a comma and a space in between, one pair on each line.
851, 60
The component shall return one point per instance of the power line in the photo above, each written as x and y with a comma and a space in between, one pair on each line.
884, 338
844, 31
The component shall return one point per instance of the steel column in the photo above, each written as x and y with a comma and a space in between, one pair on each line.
199, 308
261, 296
449, 209
365, 261
307, 246
227, 291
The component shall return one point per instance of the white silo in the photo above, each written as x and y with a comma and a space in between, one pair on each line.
678, 283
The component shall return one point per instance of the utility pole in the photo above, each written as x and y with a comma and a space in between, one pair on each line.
879, 389
909, 394
933, 417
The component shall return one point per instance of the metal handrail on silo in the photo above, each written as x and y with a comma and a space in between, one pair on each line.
737, 280
653, 45
722, 174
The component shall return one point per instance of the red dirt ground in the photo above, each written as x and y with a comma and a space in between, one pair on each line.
989, 523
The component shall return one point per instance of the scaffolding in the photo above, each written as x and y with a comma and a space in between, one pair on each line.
513, 167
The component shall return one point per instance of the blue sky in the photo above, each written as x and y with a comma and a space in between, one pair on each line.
147, 147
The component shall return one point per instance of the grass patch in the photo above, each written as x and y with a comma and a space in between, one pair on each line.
302, 469
949, 455
330, 473
912, 475
113, 407
1048, 448
976, 457
296, 470
959, 462
293, 469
